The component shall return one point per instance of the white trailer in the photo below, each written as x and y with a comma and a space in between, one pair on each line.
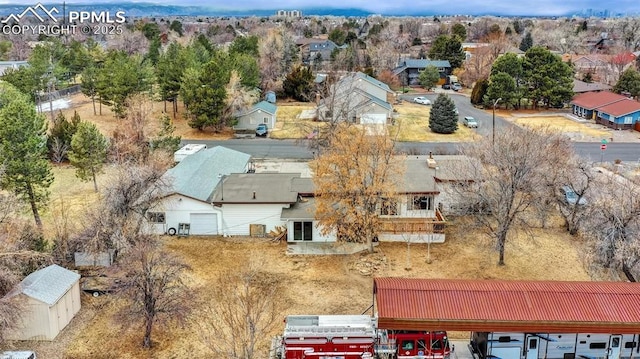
499, 345
187, 150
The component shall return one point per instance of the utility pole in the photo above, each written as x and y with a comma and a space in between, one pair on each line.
493, 127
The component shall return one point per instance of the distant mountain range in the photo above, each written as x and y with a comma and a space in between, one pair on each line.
149, 9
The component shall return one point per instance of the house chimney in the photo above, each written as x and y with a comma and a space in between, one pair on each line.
254, 194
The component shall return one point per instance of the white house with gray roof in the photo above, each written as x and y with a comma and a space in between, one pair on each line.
192, 184
252, 203
51, 298
357, 98
262, 112
414, 214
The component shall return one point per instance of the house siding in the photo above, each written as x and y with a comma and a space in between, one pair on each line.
625, 122
373, 90
177, 209
237, 218
316, 234
253, 119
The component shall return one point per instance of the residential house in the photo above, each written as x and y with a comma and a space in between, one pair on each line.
607, 108
408, 70
186, 205
357, 98
252, 203
262, 112
313, 49
414, 215
51, 298
582, 87
601, 67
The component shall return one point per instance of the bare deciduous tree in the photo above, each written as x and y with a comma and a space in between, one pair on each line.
511, 176
614, 224
130, 141
128, 195
243, 310
154, 285
579, 176
59, 150
351, 177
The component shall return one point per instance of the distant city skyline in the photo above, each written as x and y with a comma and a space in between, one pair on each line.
396, 7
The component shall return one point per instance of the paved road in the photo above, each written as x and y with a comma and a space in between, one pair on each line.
291, 149
298, 149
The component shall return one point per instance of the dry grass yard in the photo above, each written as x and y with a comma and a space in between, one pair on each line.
576, 130
314, 284
412, 124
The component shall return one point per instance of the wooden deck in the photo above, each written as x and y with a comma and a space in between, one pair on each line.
414, 225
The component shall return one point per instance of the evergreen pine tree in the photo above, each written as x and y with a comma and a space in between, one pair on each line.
443, 118
88, 152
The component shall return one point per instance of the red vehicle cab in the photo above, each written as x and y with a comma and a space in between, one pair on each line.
411, 344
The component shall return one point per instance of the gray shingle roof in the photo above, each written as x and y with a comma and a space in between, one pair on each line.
197, 175
301, 210
268, 188
265, 106
49, 284
376, 82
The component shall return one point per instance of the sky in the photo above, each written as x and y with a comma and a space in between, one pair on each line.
499, 7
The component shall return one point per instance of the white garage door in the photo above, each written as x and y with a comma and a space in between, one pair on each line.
373, 119
203, 223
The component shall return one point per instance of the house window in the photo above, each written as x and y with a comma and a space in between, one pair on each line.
303, 231
628, 120
389, 207
265, 120
418, 203
156, 217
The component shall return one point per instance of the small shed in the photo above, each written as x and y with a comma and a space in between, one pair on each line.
51, 298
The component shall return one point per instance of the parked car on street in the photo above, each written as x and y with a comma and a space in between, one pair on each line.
446, 87
456, 87
571, 197
262, 130
470, 122
422, 100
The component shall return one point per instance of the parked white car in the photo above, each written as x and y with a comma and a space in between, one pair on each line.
422, 100
470, 122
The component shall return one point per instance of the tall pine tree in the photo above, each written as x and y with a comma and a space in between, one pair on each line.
88, 152
443, 118
23, 150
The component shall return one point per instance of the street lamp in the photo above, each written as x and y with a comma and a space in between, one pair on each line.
493, 127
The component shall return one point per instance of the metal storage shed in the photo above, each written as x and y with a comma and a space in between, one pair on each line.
52, 298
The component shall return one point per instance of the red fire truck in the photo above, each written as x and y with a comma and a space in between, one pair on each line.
354, 337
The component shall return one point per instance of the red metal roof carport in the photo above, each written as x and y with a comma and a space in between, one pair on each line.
500, 305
